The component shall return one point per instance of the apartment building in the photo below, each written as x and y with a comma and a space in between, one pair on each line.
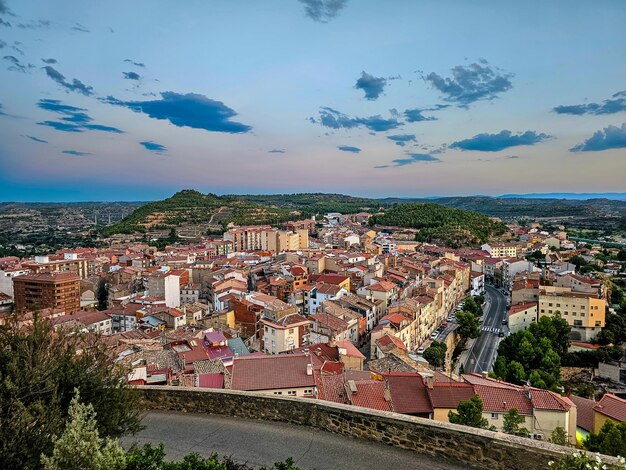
70, 263
264, 237
47, 290
583, 312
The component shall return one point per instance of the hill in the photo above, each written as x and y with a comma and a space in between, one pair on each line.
196, 212
440, 224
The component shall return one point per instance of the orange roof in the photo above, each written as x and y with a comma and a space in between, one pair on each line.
612, 406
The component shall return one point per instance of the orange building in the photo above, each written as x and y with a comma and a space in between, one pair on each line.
47, 290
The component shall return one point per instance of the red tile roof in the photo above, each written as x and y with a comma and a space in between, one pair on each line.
370, 394
449, 394
351, 349
408, 393
584, 412
269, 372
612, 406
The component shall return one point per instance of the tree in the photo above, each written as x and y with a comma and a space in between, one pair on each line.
611, 439
40, 368
435, 354
512, 422
470, 305
468, 326
559, 436
80, 445
469, 413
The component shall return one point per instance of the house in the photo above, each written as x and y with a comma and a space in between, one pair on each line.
609, 408
315, 295
585, 416
385, 291
172, 317
92, 321
282, 374
284, 334
327, 327
521, 316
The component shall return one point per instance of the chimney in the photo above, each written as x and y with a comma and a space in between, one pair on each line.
429, 380
485, 374
309, 369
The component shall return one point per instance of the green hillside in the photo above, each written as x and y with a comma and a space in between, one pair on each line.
440, 224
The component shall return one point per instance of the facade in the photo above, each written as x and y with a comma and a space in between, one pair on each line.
521, 316
583, 312
47, 290
165, 285
288, 333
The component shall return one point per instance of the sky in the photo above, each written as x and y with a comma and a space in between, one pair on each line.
134, 100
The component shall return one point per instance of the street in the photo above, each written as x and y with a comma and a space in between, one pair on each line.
264, 442
481, 355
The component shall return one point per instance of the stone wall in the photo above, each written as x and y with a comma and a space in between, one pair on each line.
479, 448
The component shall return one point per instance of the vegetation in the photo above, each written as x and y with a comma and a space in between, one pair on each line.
580, 460
614, 331
440, 224
534, 355
474, 306
512, 424
40, 371
468, 325
611, 440
559, 436
435, 354
469, 413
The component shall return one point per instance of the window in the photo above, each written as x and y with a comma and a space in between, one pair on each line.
308, 392
278, 393
494, 415
290, 331
579, 323
598, 323
291, 392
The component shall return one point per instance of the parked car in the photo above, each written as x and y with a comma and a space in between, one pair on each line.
420, 350
433, 335
501, 334
504, 321
444, 324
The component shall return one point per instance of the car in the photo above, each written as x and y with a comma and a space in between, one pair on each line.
501, 334
444, 325
504, 321
433, 335
420, 350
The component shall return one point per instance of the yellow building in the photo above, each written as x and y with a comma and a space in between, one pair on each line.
583, 312
609, 408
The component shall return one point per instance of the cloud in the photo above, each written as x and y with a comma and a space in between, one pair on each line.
136, 64
49, 61
277, 151
187, 110
80, 27
372, 86
76, 153
36, 139
611, 137
2, 113
34, 24
615, 104
73, 119
410, 159
4, 9
74, 85
347, 148
16, 65
334, 119
2, 44
402, 139
500, 141
322, 11
471, 83
153, 146
131, 76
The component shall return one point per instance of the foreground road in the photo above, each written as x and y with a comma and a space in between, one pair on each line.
481, 356
264, 442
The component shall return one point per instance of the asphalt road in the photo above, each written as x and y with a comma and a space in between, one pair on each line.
481, 356
260, 443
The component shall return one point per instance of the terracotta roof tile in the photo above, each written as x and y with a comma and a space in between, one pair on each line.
612, 406
269, 372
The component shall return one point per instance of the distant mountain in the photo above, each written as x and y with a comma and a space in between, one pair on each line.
570, 196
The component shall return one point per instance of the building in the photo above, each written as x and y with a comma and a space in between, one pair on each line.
91, 321
165, 285
583, 312
47, 290
287, 333
609, 408
521, 316
70, 263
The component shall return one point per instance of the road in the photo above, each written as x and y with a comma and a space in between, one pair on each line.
264, 442
481, 356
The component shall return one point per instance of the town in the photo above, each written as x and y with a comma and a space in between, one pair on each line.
339, 309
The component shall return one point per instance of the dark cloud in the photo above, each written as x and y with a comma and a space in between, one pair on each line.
611, 137
153, 146
615, 104
36, 139
371, 85
80, 27
49, 61
2, 113
72, 119
187, 110
131, 76
75, 85
76, 153
500, 141
402, 139
5, 23
16, 64
136, 64
4, 9
34, 24
347, 148
322, 11
415, 115
2, 44
471, 83
410, 159
277, 151
336, 120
